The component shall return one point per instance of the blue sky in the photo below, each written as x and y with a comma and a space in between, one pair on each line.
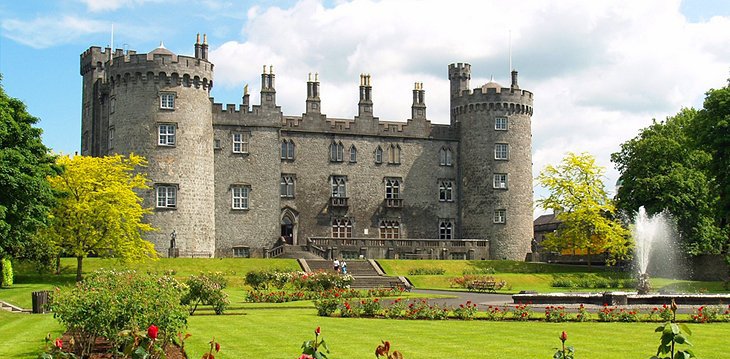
600, 70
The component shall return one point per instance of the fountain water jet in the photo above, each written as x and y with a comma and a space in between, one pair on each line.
656, 248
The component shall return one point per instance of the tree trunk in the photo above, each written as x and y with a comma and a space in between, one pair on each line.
79, 263
588, 252
58, 264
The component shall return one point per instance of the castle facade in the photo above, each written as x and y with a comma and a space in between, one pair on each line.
233, 180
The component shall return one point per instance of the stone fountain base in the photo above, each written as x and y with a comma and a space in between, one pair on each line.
621, 298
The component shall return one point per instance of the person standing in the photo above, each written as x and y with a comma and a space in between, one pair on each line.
343, 266
336, 265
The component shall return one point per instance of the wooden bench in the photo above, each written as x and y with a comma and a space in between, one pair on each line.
484, 286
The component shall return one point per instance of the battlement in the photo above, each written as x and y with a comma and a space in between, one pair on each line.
160, 67
459, 69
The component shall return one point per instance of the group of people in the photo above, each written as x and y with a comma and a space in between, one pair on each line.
340, 266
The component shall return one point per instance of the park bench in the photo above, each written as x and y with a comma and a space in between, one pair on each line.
485, 285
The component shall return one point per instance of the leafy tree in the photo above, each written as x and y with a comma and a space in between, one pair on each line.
662, 169
712, 130
582, 205
99, 212
26, 196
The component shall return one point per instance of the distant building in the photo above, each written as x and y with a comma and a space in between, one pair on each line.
233, 180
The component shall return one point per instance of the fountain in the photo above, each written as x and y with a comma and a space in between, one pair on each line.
657, 253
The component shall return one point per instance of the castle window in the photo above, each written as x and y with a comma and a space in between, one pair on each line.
287, 150
500, 216
392, 188
166, 196
501, 151
341, 228
445, 156
337, 152
239, 196
286, 186
167, 101
500, 123
353, 154
394, 154
389, 229
446, 228
242, 252
166, 135
240, 142
500, 180
111, 137
446, 191
217, 144
378, 155
112, 104
339, 186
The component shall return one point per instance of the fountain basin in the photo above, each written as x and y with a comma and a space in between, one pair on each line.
621, 298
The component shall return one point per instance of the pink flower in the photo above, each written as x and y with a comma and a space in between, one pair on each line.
306, 356
563, 336
58, 343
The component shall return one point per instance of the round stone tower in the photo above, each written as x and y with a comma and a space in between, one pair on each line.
159, 107
495, 162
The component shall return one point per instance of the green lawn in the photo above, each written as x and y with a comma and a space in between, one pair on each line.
527, 276
278, 333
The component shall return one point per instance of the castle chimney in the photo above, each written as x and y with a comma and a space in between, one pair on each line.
198, 50
365, 106
514, 80
245, 100
268, 92
204, 48
418, 109
313, 102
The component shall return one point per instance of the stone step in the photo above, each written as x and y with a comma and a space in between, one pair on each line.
12, 308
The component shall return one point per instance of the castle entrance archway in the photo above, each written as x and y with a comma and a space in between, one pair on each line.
289, 226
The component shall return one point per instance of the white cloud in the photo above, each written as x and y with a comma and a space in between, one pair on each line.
45, 32
111, 5
600, 70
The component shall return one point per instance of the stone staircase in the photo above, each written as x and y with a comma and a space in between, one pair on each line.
366, 273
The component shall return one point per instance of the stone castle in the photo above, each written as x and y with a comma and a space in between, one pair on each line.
241, 180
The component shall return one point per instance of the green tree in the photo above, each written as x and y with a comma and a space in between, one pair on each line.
663, 169
712, 131
99, 212
26, 196
578, 196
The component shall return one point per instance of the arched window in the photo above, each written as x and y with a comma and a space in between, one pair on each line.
287, 150
392, 188
337, 152
353, 154
446, 229
394, 154
445, 156
378, 155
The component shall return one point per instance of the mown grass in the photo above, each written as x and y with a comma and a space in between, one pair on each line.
278, 333
530, 276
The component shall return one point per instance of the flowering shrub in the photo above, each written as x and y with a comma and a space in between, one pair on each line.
370, 307
347, 310
320, 281
627, 315
607, 314
214, 347
466, 311
467, 279
396, 309
707, 314
54, 349
326, 307
583, 315
109, 302
663, 313
522, 312
495, 313
206, 289
420, 309
555, 314
281, 296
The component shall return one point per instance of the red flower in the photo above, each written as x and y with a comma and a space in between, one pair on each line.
217, 346
563, 336
58, 343
152, 332
306, 356
317, 331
